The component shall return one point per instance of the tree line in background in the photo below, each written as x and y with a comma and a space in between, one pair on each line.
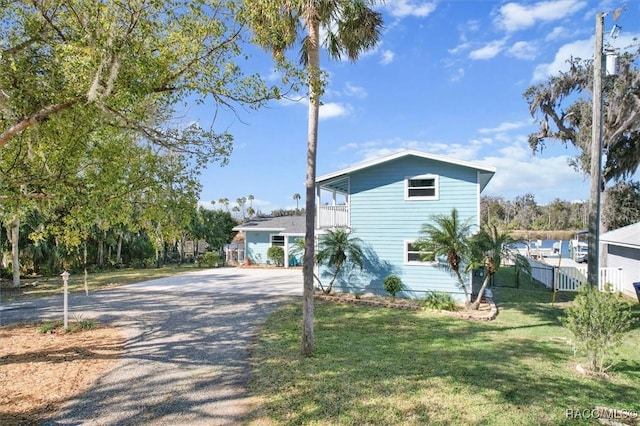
103, 248
621, 208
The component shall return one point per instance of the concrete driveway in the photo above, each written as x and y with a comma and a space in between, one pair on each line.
278, 281
187, 348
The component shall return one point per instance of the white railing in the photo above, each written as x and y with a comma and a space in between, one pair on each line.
570, 278
333, 216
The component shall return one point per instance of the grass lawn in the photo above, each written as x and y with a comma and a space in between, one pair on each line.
95, 281
383, 366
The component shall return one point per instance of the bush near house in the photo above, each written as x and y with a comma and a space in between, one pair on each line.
276, 255
392, 285
211, 259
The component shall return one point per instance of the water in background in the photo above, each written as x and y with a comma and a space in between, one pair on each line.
548, 244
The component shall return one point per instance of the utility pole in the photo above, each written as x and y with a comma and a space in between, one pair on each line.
593, 256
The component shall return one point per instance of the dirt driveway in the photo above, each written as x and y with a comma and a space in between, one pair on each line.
186, 354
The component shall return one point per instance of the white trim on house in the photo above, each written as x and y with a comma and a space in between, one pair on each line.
489, 171
244, 228
429, 176
405, 256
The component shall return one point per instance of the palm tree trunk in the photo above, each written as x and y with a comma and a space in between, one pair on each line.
119, 251
308, 338
464, 287
476, 303
335, 275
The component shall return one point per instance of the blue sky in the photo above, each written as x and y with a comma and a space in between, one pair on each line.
447, 78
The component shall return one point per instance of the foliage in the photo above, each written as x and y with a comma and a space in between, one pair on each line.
598, 321
439, 300
488, 249
392, 284
211, 259
523, 212
563, 113
50, 326
447, 235
276, 255
621, 205
336, 248
418, 368
350, 27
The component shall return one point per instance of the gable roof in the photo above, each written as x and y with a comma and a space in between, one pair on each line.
486, 172
627, 236
279, 224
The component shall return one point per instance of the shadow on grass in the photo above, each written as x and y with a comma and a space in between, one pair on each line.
370, 362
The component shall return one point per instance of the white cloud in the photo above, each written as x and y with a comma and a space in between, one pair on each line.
355, 91
333, 109
404, 8
505, 127
520, 172
578, 49
456, 75
523, 50
515, 16
459, 48
556, 33
387, 57
488, 51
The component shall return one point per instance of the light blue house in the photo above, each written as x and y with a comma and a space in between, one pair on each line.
385, 203
264, 232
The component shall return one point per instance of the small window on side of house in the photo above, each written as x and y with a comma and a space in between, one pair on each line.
424, 187
277, 240
413, 254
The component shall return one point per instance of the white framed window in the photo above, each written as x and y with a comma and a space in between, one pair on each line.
277, 240
413, 255
423, 187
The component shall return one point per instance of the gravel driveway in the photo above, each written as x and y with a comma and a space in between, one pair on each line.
186, 354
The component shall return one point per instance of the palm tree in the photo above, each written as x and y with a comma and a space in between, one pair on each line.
296, 197
447, 235
488, 249
338, 247
351, 27
251, 198
224, 202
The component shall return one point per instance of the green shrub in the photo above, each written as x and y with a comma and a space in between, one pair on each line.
211, 259
392, 285
50, 326
276, 255
598, 320
439, 300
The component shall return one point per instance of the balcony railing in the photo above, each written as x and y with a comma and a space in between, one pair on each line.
333, 216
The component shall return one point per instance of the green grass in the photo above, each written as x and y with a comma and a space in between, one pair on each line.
96, 281
383, 366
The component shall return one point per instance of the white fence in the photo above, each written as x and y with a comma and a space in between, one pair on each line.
570, 278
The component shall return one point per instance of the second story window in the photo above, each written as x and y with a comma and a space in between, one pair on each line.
423, 187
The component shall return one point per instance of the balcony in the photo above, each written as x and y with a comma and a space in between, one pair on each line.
332, 216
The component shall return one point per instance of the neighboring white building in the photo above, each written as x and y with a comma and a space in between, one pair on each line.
623, 251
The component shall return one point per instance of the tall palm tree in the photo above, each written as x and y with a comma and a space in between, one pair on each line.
488, 249
250, 197
296, 197
447, 235
338, 247
351, 27
224, 202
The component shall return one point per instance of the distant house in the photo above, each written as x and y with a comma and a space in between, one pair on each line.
623, 251
264, 232
385, 203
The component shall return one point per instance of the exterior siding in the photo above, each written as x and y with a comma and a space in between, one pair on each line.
384, 220
628, 259
258, 243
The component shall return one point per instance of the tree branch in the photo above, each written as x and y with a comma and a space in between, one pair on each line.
29, 121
